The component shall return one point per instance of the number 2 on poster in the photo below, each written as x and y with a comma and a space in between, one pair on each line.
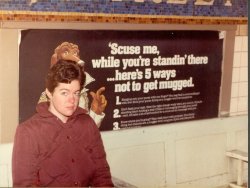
116, 113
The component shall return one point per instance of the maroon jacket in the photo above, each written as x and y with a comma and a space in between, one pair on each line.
48, 152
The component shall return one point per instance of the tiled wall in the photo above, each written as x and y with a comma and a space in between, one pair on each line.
237, 8
239, 93
126, 11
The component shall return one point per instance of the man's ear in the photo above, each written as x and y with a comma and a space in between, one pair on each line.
49, 95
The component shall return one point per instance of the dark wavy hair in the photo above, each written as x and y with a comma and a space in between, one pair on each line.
64, 71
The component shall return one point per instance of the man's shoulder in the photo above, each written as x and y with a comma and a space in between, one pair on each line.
31, 122
86, 118
87, 122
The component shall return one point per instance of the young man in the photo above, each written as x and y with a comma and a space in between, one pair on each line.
60, 146
70, 51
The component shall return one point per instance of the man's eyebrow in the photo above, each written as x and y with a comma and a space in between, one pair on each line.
63, 89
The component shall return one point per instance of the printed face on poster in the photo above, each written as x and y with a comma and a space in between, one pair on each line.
151, 77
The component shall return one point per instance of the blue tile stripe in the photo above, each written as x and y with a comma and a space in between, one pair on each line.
148, 7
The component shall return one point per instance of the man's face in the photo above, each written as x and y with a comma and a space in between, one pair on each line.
64, 100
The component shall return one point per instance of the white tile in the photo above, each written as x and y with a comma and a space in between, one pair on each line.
191, 163
6, 165
236, 75
237, 30
244, 46
242, 140
234, 105
244, 59
242, 104
6, 153
137, 159
4, 176
237, 59
243, 30
235, 89
241, 113
233, 114
238, 44
243, 89
243, 74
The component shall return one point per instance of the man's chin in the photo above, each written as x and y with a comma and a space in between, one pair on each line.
68, 114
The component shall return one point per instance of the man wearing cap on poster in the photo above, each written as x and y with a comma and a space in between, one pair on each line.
70, 51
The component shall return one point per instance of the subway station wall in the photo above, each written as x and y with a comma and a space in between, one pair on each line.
179, 153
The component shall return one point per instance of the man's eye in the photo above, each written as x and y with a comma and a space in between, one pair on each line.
78, 94
64, 93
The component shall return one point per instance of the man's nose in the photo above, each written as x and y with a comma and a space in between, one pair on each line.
72, 98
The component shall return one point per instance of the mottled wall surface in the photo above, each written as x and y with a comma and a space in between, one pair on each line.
143, 7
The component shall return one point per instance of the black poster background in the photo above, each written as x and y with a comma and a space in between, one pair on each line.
133, 108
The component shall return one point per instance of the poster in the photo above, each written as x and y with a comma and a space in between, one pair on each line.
151, 77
